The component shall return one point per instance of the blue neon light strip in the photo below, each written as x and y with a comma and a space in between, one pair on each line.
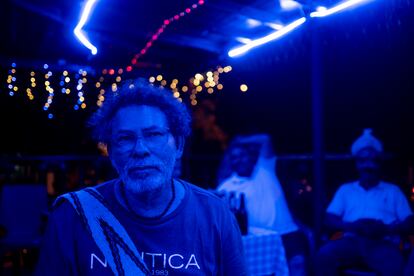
321, 12
260, 41
78, 29
335, 9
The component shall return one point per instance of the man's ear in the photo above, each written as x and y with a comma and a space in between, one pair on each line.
179, 143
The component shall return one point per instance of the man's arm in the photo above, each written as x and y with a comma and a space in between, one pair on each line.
405, 219
335, 223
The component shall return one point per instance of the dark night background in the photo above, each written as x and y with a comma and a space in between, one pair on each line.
365, 55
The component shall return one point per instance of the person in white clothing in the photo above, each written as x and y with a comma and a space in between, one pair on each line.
248, 167
371, 213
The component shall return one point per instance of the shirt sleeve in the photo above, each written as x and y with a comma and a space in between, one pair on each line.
337, 205
232, 248
401, 205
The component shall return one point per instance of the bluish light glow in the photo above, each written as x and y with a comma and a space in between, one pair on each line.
289, 4
78, 29
322, 11
50, 116
45, 66
76, 107
275, 35
253, 23
10, 86
13, 65
243, 40
45, 108
274, 26
11, 93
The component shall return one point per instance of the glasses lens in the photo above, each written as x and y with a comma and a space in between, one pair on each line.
153, 140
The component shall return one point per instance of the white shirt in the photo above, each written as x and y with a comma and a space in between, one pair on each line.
265, 202
383, 202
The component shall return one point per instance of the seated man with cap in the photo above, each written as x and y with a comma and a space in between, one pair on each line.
371, 213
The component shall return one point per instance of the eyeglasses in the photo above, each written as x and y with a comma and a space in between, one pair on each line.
153, 140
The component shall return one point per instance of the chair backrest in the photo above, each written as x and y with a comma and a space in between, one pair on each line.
22, 207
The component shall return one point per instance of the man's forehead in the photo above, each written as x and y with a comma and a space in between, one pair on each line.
139, 116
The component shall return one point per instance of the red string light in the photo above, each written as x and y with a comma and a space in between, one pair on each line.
156, 35
148, 44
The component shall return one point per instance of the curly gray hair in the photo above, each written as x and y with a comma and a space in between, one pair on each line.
140, 92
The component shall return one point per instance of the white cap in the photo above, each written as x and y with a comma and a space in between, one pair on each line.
366, 140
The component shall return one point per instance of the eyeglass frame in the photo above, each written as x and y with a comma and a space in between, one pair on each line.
145, 137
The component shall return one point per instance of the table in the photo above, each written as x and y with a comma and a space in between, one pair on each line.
264, 253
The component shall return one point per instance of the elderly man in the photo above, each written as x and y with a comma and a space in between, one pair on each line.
145, 222
371, 213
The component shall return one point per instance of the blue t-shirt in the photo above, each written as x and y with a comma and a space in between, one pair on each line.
200, 237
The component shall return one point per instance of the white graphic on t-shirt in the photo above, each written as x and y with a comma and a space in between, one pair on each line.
192, 257
158, 260
93, 256
174, 261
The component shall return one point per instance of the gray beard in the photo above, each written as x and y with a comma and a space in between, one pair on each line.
139, 186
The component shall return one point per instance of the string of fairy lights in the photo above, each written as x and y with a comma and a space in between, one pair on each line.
80, 89
76, 82
209, 81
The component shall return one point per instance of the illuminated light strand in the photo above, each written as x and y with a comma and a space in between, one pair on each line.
157, 34
67, 82
64, 83
148, 45
51, 81
81, 80
160, 30
322, 11
101, 97
79, 33
11, 80
29, 93
209, 82
50, 90
260, 41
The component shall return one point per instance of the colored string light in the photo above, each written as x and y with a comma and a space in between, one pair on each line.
11, 80
50, 91
156, 35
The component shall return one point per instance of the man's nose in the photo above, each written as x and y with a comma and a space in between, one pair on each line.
140, 147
